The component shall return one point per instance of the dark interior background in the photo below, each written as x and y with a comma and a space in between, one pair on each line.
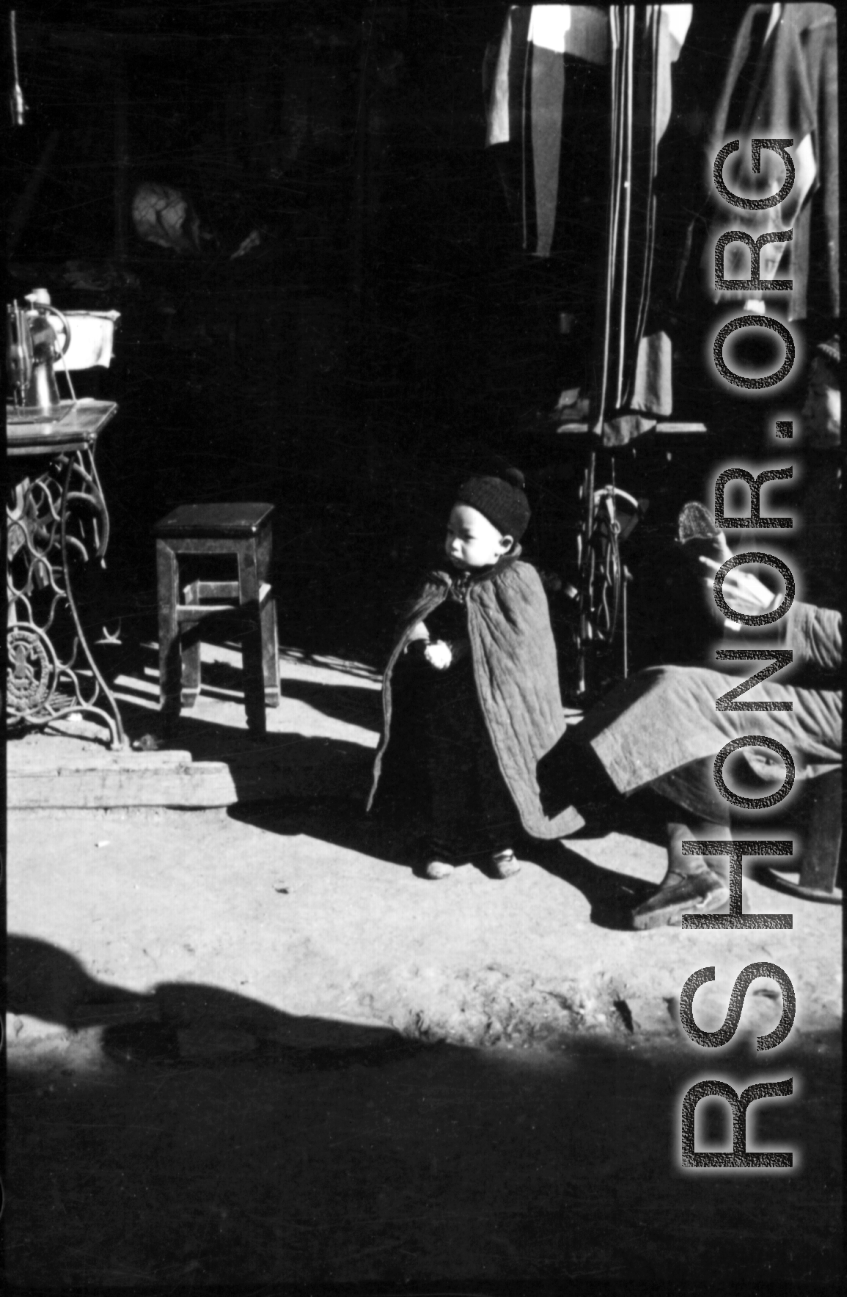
382, 333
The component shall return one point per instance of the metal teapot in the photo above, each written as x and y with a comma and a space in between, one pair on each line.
32, 349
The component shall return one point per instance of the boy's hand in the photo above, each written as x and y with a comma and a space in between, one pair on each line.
438, 655
417, 641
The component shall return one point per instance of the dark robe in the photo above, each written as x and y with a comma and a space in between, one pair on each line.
787, 87
514, 671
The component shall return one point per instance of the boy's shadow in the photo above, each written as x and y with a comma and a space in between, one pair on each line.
187, 1024
611, 895
341, 822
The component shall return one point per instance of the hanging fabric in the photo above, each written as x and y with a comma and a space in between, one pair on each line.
526, 107
579, 97
634, 353
781, 83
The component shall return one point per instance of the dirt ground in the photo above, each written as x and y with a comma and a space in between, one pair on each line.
250, 1045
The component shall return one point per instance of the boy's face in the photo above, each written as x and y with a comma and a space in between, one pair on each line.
472, 541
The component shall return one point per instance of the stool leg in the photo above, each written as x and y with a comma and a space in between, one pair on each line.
251, 647
270, 641
170, 663
251, 658
190, 655
270, 653
264, 547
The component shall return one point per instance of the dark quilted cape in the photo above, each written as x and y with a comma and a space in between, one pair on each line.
517, 681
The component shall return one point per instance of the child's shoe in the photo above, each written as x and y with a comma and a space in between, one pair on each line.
503, 864
438, 869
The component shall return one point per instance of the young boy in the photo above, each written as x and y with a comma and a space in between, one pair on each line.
471, 697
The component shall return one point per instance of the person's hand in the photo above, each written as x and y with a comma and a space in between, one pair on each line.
743, 591
418, 632
416, 641
438, 655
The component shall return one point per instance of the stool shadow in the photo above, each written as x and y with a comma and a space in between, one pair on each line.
355, 704
224, 682
263, 768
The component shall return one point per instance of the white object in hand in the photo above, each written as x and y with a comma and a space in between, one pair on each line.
743, 591
438, 655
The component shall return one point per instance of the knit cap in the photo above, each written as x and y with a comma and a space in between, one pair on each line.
500, 499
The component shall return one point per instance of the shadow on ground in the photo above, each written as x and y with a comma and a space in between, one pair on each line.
343, 823
612, 895
251, 1146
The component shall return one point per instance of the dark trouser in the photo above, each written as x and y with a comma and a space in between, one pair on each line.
686, 799
692, 788
472, 809
581, 780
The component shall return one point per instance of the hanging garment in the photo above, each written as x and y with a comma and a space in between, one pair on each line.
782, 83
568, 166
527, 106
634, 351
551, 68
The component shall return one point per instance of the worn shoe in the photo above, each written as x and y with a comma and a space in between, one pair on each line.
438, 869
503, 864
680, 894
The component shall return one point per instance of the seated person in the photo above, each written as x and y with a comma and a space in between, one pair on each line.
660, 730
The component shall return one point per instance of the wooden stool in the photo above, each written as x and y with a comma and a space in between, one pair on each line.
821, 859
239, 530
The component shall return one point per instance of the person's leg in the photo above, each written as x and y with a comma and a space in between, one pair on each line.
500, 822
691, 884
571, 774
450, 785
693, 810
688, 802
453, 735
